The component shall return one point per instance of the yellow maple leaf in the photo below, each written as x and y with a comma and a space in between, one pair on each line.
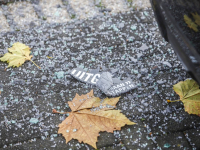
17, 55
89, 116
190, 23
196, 18
189, 93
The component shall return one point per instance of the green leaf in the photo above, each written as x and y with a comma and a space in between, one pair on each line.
189, 93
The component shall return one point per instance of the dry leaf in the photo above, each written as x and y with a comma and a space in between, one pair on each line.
189, 93
190, 23
89, 116
17, 55
89, 101
196, 18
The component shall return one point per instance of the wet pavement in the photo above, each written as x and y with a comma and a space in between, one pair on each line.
126, 44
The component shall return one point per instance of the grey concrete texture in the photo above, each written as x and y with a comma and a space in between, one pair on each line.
128, 45
19, 15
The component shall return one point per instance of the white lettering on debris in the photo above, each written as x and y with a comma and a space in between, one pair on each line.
121, 88
93, 78
86, 77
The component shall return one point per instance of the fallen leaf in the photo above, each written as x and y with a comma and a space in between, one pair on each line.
196, 18
190, 23
189, 93
89, 101
89, 116
17, 55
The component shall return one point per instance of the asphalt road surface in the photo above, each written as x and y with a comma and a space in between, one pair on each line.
127, 44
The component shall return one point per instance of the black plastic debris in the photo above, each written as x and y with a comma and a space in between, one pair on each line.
104, 81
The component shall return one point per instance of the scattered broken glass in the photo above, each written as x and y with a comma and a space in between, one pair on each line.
91, 43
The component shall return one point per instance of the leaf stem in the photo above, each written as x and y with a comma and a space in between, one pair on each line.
56, 112
35, 64
169, 101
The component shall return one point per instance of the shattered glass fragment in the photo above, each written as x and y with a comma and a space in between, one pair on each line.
143, 47
33, 120
167, 63
167, 145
